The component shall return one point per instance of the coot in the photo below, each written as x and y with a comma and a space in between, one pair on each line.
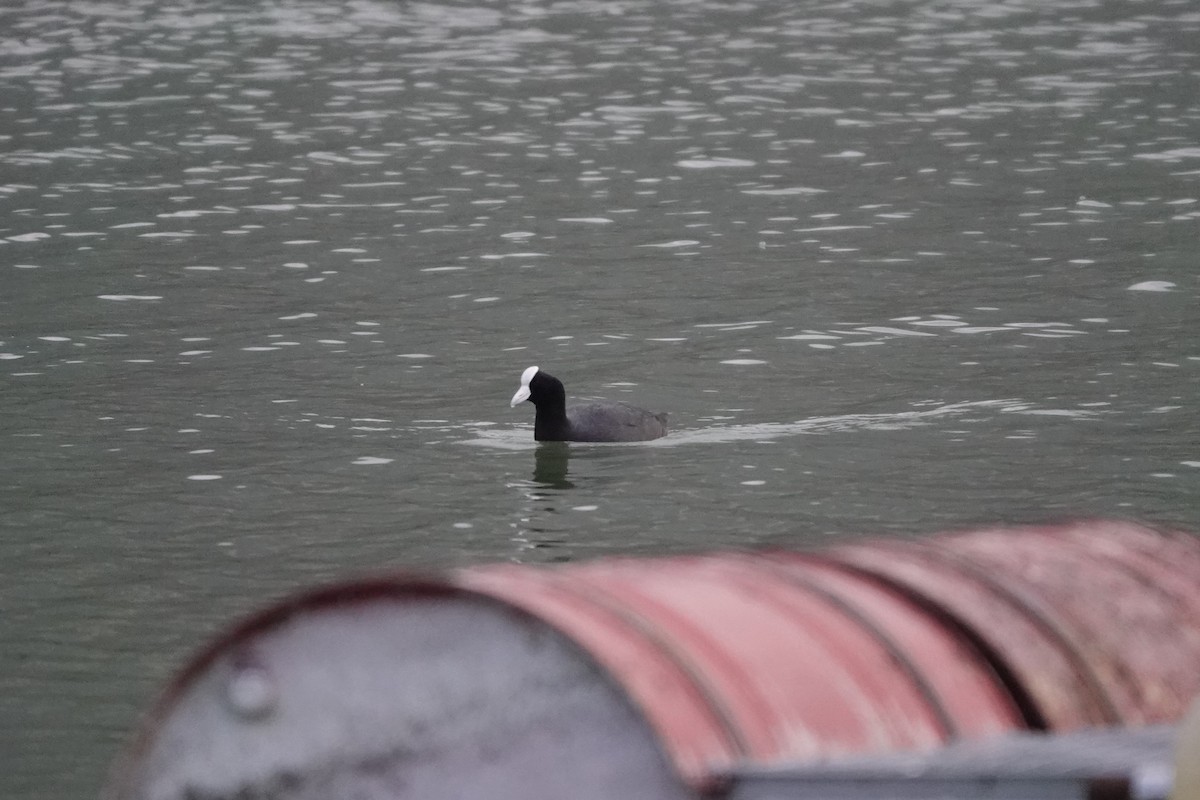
605, 421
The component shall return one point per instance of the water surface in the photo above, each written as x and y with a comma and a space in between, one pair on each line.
269, 273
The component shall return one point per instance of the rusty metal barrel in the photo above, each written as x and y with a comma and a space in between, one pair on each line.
654, 677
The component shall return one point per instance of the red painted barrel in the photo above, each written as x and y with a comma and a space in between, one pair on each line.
736, 658
653, 677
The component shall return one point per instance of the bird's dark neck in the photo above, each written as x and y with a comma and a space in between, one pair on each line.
550, 398
550, 424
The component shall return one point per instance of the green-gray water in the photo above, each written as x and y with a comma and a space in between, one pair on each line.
269, 273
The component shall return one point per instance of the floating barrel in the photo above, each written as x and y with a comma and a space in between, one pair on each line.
653, 678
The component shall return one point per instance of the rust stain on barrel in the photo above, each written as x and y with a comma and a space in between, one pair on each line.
1094, 627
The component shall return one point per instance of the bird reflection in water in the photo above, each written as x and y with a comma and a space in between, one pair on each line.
550, 465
